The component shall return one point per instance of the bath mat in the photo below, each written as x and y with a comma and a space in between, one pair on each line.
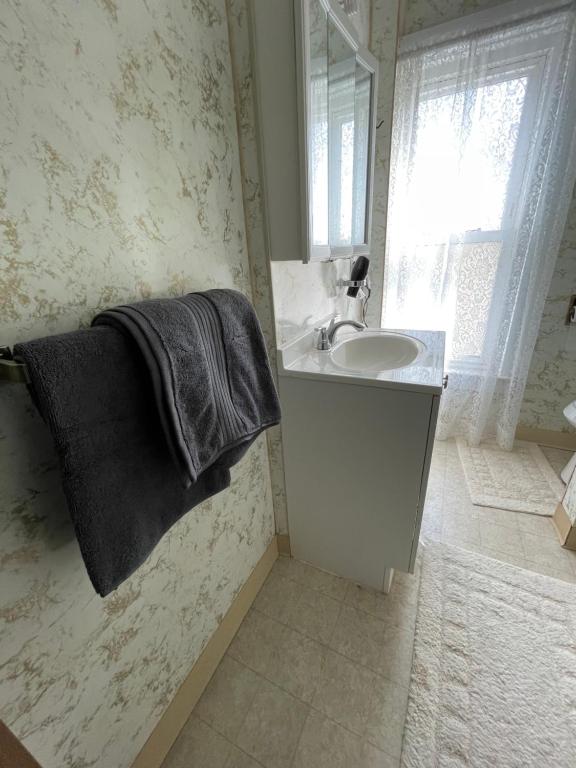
520, 480
494, 666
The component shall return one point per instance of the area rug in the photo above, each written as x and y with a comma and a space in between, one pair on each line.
494, 670
520, 480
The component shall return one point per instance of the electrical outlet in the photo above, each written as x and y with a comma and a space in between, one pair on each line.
571, 314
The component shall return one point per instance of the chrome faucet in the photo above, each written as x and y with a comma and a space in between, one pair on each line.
326, 335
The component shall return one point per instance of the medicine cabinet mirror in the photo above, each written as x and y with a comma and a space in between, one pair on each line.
337, 93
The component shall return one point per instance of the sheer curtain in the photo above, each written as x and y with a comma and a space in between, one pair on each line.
482, 172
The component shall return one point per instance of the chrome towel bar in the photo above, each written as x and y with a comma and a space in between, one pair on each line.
11, 370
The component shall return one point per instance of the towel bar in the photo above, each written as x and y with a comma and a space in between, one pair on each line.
10, 369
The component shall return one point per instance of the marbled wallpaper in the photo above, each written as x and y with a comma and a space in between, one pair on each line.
384, 42
551, 383
419, 14
359, 13
119, 179
240, 50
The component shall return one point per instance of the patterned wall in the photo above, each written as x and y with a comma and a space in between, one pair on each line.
551, 381
239, 31
119, 180
552, 378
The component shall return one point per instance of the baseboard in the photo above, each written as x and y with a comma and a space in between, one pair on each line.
283, 540
565, 529
172, 721
13, 754
548, 437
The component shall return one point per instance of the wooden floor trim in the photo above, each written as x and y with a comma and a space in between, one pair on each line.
172, 721
283, 540
13, 754
548, 437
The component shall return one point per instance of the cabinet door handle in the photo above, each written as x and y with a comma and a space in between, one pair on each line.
445, 382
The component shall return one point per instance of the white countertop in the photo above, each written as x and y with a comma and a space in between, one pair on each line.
300, 358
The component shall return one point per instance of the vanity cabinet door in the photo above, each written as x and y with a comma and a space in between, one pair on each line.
356, 460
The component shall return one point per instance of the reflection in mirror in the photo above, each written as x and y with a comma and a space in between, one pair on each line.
318, 134
361, 153
341, 107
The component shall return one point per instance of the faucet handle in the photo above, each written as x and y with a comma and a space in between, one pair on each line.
322, 341
333, 320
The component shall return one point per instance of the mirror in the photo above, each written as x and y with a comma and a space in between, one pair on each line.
318, 130
339, 87
362, 106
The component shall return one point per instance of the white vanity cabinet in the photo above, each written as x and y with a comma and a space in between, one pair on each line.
357, 453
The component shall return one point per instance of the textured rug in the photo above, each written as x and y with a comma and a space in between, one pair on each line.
494, 672
520, 480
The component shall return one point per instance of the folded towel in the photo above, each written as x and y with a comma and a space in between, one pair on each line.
209, 369
98, 394
122, 488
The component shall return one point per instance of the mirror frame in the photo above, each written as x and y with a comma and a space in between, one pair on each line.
370, 63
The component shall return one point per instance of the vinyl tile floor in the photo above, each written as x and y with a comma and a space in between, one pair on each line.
317, 675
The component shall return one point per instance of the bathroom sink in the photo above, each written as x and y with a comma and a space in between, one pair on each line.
376, 351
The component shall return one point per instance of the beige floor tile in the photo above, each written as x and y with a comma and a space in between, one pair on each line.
399, 609
504, 557
385, 723
537, 524
550, 555
535, 545
278, 596
228, 696
198, 745
396, 655
500, 517
461, 529
556, 567
239, 759
298, 665
272, 727
328, 584
557, 458
324, 744
257, 642
308, 610
314, 614
279, 653
457, 502
431, 526
313, 578
344, 691
563, 573
499, 538
407, 585
359, 636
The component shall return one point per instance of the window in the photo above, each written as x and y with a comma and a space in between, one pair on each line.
467, 160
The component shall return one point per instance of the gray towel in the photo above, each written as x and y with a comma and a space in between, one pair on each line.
124, 490
209, 370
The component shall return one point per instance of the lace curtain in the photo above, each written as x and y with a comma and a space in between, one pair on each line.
482, 172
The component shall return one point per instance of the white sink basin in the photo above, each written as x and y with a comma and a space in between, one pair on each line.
376, 351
